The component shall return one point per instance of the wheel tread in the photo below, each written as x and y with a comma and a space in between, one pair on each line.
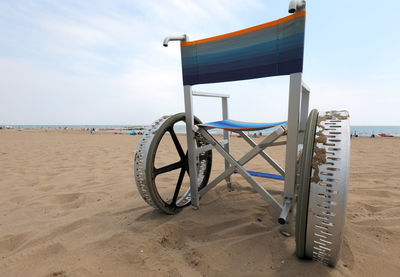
328, 188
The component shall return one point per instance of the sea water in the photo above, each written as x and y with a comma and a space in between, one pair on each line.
181, 129
360, 130
369, 130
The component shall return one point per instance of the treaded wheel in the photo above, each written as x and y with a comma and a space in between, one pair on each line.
323, 186
146, 173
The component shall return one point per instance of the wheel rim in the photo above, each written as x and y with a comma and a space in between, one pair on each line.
147, 174
321, 213
304, 184
329, 187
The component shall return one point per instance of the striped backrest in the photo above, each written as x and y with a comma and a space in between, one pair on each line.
270, 49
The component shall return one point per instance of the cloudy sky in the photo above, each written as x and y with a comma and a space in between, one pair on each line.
102, 62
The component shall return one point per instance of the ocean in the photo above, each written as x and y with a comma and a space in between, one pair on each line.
368, 130
360, 130
364, 131
98, 128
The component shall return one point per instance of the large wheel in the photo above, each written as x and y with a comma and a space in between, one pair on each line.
323, 186
169, 194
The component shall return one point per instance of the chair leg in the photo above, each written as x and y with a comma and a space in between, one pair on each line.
191, 147
295, 89
227, 165
225, 116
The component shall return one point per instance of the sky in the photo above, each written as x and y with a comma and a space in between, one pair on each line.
102, 62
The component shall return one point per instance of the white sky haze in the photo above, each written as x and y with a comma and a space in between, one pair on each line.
102, 62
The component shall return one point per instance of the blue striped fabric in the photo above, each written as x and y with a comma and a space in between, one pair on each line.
241, 126
270, 49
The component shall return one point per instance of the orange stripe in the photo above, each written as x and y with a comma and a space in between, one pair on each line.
248, 30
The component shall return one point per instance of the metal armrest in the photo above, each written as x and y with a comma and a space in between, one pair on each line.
208, 94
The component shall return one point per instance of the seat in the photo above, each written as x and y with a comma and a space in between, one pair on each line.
234, 125
238, 127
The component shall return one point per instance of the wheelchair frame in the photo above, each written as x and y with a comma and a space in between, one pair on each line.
297, 118
320, 139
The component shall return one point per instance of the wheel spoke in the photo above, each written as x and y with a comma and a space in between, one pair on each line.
187, 163
178, 186
177, 143
168, 168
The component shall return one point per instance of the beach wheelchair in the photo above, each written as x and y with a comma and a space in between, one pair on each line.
316, 171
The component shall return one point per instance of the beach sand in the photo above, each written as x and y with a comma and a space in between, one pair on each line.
69, 207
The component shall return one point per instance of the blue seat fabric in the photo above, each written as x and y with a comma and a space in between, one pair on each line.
233, 125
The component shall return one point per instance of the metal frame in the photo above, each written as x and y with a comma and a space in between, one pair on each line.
191, 147
225, 116
192, 152
297, 117
238, 165
294, 110
265, 155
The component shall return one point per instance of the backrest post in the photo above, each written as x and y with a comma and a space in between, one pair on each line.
305, 99
191, 145
295, 89
225, 116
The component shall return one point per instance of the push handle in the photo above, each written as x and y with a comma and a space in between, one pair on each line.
171, 38
297, 6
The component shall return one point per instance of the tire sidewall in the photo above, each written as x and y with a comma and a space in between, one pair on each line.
150, 180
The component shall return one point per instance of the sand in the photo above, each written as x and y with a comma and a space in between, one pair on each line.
69, 207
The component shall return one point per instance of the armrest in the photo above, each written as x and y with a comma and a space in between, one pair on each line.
224, 98
208, 94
